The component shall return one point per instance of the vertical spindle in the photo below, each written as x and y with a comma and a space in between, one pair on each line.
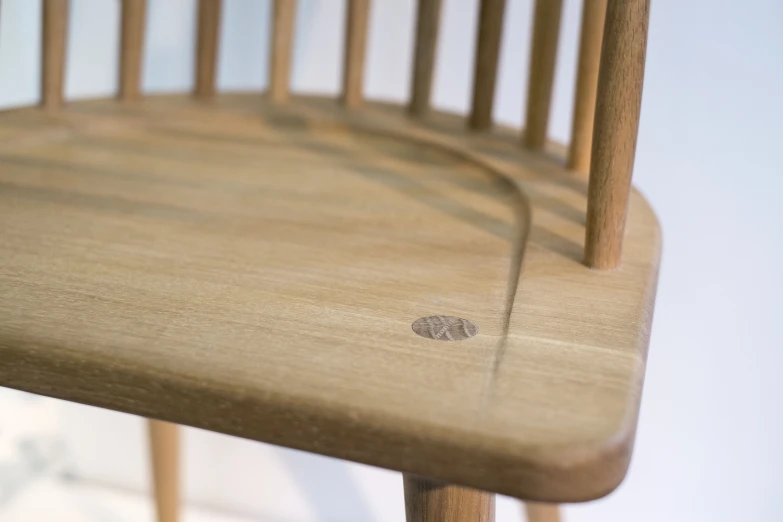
207, 39
490, 32
427, 22
282, 43
593, 15
131, 48
54, 33
543, 55
618, 105
355, 44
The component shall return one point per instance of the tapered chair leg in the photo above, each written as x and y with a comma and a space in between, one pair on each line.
433, 501
164, 451
537, 512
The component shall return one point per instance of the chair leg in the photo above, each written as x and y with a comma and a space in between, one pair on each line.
538, 512
432, 501
164, 450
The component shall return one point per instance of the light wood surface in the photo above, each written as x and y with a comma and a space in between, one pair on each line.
164, 452
593, 15
433, 501
490, 33
207, 40
255, 269
131, 48
543, 55
358, 14
427, 24
54, 38
537, 512
616, 126
283, 18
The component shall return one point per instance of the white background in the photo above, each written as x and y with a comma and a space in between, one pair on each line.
710, 440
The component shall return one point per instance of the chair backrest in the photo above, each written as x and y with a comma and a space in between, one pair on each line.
608, 91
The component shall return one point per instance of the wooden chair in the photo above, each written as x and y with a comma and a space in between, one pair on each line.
388, 285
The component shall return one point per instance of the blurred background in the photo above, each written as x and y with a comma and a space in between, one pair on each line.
710, 439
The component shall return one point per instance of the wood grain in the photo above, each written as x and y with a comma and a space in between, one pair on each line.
537, 512
543, 56
133, 19
433, 501
54, 33
164, 453
284, 14
255, 269
358, 14
427, 25
490, 34
593, 16
207, 40
617, 111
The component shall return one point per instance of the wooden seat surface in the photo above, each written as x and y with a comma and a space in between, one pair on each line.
255, 269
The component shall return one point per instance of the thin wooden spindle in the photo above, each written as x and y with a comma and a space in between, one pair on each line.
427, 24
433, 501
546, 30
207, 38
282, 43
54, 32
538, 512
355, 44
593, 16
164, 453
487, 53
132, 48
618, 105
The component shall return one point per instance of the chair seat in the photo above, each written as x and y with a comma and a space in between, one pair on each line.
257, 269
